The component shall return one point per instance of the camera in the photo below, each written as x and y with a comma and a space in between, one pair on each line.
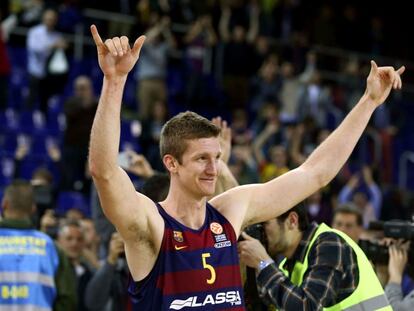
256, 231
396, 229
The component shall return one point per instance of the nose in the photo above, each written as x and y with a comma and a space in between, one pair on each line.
212, 167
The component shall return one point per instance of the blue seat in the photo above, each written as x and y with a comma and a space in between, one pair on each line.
32, 122
9, 121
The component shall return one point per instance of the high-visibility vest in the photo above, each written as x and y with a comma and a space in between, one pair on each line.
28, 265
369, 294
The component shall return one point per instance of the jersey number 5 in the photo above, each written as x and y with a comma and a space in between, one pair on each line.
212, 279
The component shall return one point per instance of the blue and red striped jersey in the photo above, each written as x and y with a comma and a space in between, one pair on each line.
195, 269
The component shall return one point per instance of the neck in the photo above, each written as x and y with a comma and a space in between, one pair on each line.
187, 209
15, 215
297, 237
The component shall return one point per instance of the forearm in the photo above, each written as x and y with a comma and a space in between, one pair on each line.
345, 195
98, 289
105, 135
376, 198
227, 178
276, 288
330, 156
395, 297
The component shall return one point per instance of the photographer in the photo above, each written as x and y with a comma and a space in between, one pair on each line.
396, 265
324, 268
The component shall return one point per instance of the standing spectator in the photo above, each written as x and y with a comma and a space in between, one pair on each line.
266, 84
238, 53
41, 41
152, 70
369, 206
151, 133
79, 111
107, 290
45, 279
200, 37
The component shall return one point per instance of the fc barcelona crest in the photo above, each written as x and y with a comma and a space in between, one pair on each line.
178, 236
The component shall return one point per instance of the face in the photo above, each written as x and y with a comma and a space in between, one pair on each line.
360, 199
278, 156
347, 223
277, 238
198, 170
71, 240
91, 237
50, 19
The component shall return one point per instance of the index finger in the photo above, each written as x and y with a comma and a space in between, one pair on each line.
401, 70
96, 36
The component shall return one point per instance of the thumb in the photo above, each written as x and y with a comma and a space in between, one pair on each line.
246, 236
374, 67
136, 49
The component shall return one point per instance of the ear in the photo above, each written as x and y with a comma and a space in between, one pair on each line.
170, 163
293, 220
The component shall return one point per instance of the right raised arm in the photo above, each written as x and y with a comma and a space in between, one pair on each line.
132, 213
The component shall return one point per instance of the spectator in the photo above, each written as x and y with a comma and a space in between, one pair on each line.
45, 279
72, 240
238, 53
91, 249
79, 111
267, 83
152, 69
151, 133
107, 289
369, 206
41, 42
348, 219
199, 39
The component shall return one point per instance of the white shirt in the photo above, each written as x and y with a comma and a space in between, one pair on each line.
39, 46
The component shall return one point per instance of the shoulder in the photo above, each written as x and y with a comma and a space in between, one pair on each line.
330, 248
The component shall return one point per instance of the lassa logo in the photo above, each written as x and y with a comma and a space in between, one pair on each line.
231, 297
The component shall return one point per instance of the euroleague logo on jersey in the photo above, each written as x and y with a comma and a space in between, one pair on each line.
216, 228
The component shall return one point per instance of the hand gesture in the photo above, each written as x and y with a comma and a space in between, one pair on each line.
116, 248
225, 138
381, 80
115, 56
140, 165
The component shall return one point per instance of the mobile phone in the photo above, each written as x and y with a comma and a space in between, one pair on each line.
124, 160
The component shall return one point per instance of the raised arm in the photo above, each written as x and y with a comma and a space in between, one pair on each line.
128, 210
258, 203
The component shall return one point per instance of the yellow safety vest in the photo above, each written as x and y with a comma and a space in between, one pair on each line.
369, 294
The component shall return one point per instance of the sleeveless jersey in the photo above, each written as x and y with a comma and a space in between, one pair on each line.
195, 269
